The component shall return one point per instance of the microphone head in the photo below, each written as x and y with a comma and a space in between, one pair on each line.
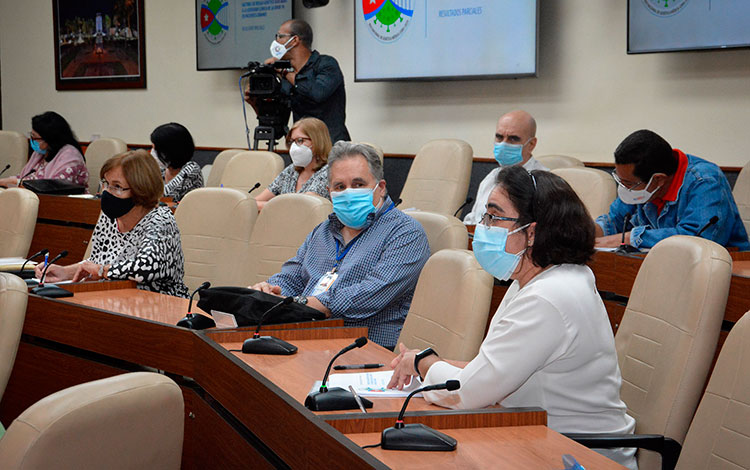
205, 285
714, 219
359, 342
43, 252
287, 300
63, 254
451, 385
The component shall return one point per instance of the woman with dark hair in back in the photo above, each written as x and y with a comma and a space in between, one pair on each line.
57, 153
549, 344
173, 148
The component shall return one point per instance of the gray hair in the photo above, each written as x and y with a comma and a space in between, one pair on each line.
343, 150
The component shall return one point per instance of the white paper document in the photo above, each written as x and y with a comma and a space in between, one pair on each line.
370, 384
11, 264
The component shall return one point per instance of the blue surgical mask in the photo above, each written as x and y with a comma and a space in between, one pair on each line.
509, 154
353, 205
489, 250
35, 146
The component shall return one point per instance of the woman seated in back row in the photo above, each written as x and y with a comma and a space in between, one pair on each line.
173, 148
309, 143
549, 344
57, 154
134, 237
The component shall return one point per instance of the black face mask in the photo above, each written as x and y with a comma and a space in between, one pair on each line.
115, 207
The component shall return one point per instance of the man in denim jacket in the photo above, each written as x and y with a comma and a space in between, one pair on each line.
663, 192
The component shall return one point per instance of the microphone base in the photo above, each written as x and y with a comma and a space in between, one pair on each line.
52, 292
31, 282
268, 345
195, 321
416, 437
627, 249
334, 399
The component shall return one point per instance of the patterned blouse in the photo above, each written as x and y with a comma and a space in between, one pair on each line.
150, 253
188, 179
67, 165
286, 182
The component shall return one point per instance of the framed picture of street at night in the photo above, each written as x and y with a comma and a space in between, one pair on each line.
99, 44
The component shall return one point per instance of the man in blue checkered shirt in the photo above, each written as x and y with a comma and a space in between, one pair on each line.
362, 264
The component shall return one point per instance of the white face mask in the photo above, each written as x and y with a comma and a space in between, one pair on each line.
632, 197
154, 154
278, 50
301, 155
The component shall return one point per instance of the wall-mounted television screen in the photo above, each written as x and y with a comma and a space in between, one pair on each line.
681, 25
231, 33
444, 39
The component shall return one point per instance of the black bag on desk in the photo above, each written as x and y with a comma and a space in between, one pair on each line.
247, 305
53, 187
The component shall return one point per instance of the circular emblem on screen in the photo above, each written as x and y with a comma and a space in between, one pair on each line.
214, 20
387, 20
665, 7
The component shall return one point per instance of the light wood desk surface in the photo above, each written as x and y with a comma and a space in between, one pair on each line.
515, 447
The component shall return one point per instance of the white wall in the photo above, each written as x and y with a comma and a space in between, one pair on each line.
588, 96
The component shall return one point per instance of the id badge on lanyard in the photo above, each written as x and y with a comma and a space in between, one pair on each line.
325, 282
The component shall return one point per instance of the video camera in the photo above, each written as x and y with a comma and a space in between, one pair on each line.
271, 104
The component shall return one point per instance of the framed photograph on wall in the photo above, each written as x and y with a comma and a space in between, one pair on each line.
99, 44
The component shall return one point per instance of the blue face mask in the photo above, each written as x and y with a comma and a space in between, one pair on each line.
489, 250
353, 205
509, 154
35, 146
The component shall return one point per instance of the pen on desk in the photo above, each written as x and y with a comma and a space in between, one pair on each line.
359, 400
46, 260
358, 366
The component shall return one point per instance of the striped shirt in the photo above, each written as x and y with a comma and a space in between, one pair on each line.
376, 277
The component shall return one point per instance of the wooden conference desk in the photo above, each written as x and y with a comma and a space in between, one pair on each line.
235, 415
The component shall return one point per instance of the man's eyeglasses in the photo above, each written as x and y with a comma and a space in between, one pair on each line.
115, 189
628, 187
279, 36
490, 220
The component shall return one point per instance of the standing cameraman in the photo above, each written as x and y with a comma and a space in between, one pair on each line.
316, 84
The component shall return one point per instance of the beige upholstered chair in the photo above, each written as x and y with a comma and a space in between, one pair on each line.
596, 188
98, 152
18, 210
218, 166
280, 230
668, 334
559, 161
215, 226
443, 231
720, 431
450, 306
14, 150
438, 179
13, 296
249, 167
128, 421
741, 195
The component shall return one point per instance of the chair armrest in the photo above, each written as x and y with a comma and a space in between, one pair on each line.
668, 448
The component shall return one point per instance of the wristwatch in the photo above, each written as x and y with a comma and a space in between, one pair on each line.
300, 299
421, 355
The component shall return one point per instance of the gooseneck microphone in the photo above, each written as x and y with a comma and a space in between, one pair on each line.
269, 344
711, 222
336, 398
53, 291
468, 201
196, 321
30, 258
417, 436
626, 248
4, 169
257, 185
31, 172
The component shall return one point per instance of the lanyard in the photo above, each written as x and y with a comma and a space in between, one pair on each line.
340, 257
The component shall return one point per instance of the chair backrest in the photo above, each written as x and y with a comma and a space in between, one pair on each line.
249, 167
219, 165
128, 421
596, 188
741, 193
215, 226
18, 210
450, 306
13, 296
721, 426
438, 179
559, 161
14, 150
669, 331
98, 152
443, 231
280, 230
